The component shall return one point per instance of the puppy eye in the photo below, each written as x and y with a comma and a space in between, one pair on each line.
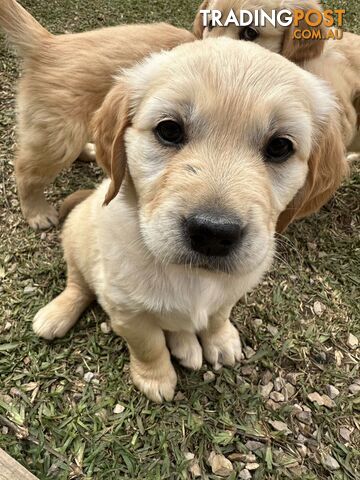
279, 149
210, 26
170, 132
249, 34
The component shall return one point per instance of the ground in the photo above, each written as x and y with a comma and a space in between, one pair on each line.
68, 408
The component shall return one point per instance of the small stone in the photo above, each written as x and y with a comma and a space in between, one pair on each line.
249, 458
242, 457
179, 397
237, 457
7, 326
189, 456
352, 341
88, 377
279, 384
252, 445
105, 328
354, 388
266, 377
301, 439
257, 322
345, 433
304, 417
277, 397
247, 370
292, 378
248, 352
332, 391
209, 376
43, 236
297, 408
4, 430
252, 466
245, 474
195, 469
319, 308
321, 399
265, 390
29, 289
118, 409
289, 391
80, 370
220, 465
330, 463
327, 401
273, 330
280, 426
273, 406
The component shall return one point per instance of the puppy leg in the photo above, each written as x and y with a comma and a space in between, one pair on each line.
221, 341
56, 318
186, 348
150, 366
43, 152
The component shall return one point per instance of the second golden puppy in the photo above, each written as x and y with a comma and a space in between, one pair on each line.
209, 143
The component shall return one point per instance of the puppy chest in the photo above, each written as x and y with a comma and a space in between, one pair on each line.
179, 303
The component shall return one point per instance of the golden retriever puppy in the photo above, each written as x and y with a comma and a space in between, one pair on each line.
337, 61
209, 143
65, 79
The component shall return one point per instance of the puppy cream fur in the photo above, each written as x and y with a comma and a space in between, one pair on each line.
132, 254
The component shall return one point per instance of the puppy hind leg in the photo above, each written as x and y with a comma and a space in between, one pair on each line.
36, 165
57, 317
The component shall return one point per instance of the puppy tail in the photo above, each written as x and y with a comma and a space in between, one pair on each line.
23, 31
71, 201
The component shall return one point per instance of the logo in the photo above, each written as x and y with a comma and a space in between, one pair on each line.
313, 19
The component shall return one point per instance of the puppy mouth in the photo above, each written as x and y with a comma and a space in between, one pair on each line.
213, 243
214, 264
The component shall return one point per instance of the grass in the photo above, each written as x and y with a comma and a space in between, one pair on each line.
60, 426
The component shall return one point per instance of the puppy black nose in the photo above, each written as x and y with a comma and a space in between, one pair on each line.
213, 235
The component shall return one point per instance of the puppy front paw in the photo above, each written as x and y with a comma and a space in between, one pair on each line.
157, 380
222, 347
52, 321
46, 216
186, 348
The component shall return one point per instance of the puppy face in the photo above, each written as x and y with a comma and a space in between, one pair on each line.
217, 137
277, 39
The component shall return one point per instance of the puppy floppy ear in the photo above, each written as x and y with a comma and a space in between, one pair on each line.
299, 50
327, 168
198, 27
109, 125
